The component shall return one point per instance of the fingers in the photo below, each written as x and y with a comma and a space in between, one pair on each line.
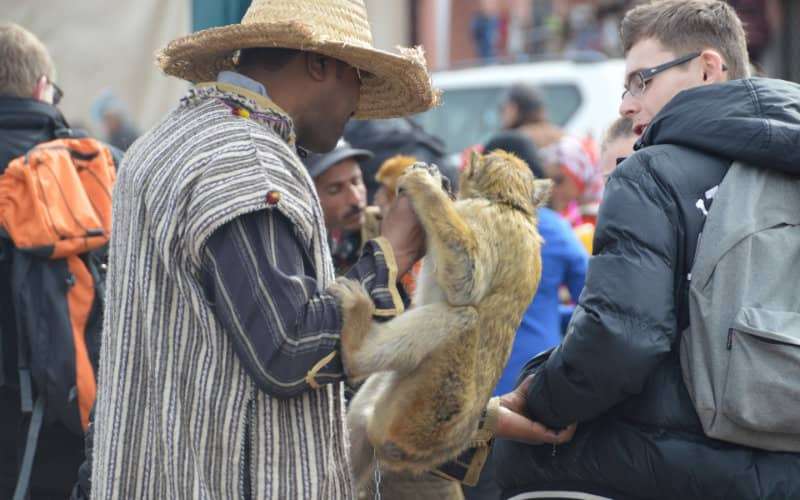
515, 400
566, 435
523, 387
516, 427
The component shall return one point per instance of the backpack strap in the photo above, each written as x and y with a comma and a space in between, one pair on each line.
703, 205
34, 428
5, 254
25, 378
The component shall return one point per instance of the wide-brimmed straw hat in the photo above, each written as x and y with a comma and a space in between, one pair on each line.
393, 84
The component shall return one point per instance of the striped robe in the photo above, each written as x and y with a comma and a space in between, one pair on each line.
174, 403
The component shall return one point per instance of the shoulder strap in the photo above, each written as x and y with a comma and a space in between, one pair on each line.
25, 378
5, 254
34, 428
749, 199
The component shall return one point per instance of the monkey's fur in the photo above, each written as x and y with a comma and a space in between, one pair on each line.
432, 369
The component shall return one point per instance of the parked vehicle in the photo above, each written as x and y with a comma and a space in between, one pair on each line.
583, 97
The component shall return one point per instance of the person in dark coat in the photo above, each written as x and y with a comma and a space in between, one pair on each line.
397, 136
28, 116
617, 373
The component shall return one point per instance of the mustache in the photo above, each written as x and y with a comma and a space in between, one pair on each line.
353, 211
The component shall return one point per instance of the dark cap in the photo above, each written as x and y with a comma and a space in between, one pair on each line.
318, 164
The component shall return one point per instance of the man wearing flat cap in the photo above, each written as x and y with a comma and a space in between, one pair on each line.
343, 197
220, 376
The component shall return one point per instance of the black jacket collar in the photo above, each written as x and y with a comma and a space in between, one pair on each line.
19, 114
24, 123
755, 120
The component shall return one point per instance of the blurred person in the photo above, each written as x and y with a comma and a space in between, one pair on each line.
568, 161
524, 110
485, 29
584, 31
343, 198
29, 116
618, 371
113, 116
761, 20
577, 186
617, 145
222, 265
396, 136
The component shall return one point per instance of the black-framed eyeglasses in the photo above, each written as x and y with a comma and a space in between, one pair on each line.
58, 94
637, 82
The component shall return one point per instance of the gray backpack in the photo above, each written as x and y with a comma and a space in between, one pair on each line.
740, 355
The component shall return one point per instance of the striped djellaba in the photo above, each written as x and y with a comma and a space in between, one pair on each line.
175, 405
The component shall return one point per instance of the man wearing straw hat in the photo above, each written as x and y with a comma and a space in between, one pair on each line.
219, 374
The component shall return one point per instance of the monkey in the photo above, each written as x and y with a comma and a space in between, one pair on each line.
431, 370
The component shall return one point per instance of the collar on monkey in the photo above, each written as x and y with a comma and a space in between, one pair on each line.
515, 206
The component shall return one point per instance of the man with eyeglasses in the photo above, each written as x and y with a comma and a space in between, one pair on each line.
28, 94
618, 373
28, 116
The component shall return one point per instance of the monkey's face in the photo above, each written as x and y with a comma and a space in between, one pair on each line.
499, 176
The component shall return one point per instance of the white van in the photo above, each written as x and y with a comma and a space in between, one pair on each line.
581, 97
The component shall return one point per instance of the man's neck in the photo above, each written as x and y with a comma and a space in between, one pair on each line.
281, 87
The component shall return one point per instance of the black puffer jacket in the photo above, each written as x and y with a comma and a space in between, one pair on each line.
617, 372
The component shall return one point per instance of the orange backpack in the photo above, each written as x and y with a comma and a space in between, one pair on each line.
57, 198
55, 211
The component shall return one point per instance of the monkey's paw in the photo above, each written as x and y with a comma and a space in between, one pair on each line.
357, 311
422, 177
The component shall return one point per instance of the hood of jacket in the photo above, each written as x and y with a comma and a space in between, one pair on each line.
754, 120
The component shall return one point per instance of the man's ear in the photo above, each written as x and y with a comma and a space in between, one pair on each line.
713, 67
541, 191
40, 91
317, 66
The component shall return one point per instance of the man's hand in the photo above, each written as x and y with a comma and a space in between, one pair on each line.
404, 232
514, 425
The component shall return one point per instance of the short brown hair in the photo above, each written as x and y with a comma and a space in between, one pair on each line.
622, 127
23, 60
684, 26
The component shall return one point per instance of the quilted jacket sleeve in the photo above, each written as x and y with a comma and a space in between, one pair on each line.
625, 320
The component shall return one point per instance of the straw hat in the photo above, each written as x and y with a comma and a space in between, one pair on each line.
395, 84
